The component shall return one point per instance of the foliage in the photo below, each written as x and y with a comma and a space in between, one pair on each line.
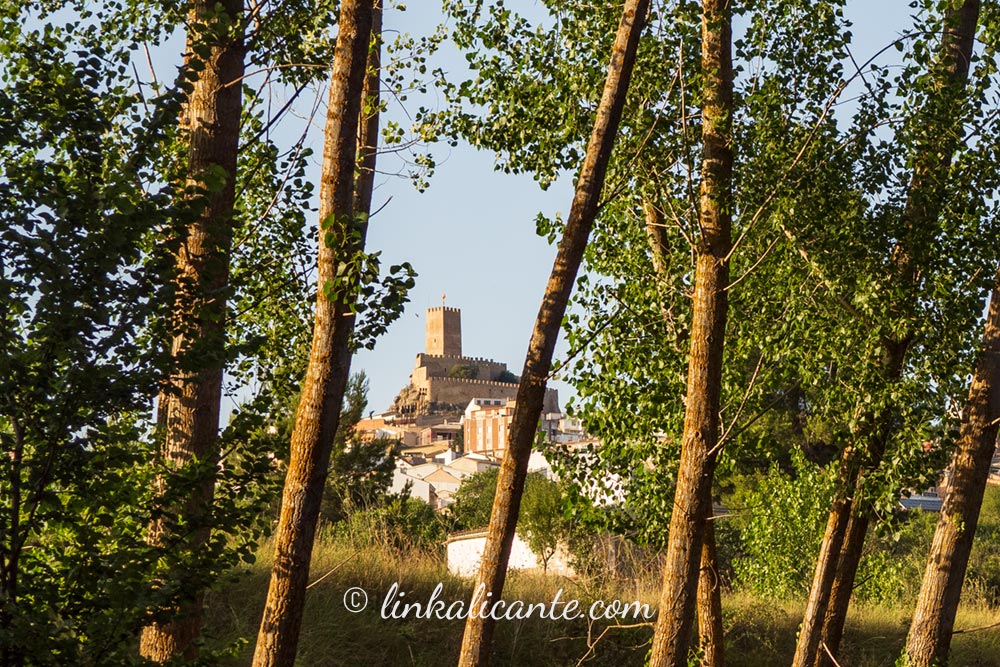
463, 371
360, 472
894, 558
89, 164
983, 577
541, 522
821, 189
398, 523
780, 520
473, 501
507, 376
79, 198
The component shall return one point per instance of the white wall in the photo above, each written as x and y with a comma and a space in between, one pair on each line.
465, 552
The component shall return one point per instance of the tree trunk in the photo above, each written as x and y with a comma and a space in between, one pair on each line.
538, 362
810, 633
710, 630
191, 411
699, 443
840, 553
934, 618
343, 227
843, 586
368, 120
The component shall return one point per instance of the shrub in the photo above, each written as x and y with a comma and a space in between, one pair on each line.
781, 527
463, 371
398, 523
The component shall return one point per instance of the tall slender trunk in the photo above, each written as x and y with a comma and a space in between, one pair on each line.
699, 443
191, 411
538, 361
840, 554
807, 648
843, 585
711, 634
934, 619
710, 630
343, 228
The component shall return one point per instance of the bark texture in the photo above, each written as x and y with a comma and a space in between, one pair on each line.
934, 619
711, 635
843, 584
477, 637
343, 227
840, 554
693, 497
710, 630
659, 246
807, 648
189, 406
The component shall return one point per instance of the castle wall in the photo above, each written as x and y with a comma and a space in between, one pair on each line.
461, 391
444, 331
432, 392
430, 365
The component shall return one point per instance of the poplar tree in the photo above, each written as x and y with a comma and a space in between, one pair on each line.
933, 621
661, 132
851, 514
477, 637
345, 277
191, 401
700, 439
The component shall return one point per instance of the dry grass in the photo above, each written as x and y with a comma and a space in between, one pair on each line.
758, 633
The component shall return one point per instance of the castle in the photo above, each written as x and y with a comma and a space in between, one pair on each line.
444, 381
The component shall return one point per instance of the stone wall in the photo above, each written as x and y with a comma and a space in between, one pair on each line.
431, 365
461, 391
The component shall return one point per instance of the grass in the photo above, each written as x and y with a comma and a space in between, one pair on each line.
759, 633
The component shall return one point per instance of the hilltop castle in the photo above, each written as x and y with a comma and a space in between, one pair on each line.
443, 381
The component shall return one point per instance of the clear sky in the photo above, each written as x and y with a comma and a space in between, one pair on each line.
472, 237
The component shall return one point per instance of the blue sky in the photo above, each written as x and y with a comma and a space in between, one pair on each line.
471, 235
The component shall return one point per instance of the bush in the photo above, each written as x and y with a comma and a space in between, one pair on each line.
463, 371
781, 526
398, 523
508, 377
895, 557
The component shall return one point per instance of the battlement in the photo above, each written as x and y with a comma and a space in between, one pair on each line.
485, 360
435, 386
467, 381
439, 365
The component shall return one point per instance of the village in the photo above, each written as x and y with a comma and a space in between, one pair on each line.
451, 422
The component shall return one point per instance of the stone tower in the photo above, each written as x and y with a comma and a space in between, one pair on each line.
444, 332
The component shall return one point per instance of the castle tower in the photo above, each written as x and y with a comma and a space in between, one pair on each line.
444, 331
